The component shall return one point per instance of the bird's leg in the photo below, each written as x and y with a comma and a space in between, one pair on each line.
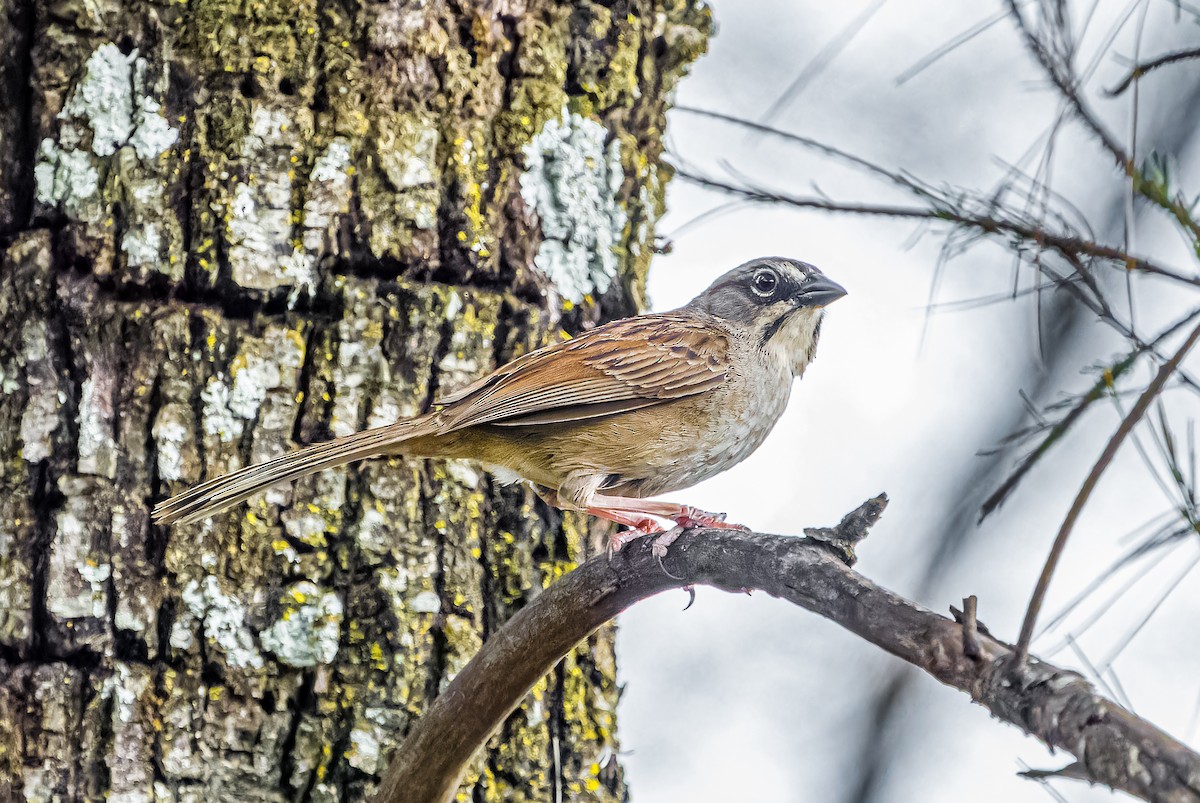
684, 515
579, 492
639, 524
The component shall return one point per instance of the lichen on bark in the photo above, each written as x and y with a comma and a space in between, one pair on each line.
228, 228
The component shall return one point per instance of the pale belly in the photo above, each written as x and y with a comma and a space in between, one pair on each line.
726, 432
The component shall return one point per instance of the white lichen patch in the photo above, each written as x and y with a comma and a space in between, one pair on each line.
171, 431
142, 246
103, 98
425, 602
97, 449
125, 686
409, 167
223, 619
8, 379
328, 198
571, 181
110, 99
259, 386
68, 177
461, 364
76, 587
130, 688
112, 127
259, 225
41, 416
307, 523
372, 534
218, 419
260, 233
394, 583
152, 134
254, 373
128, 617
262, 366
387, 408
308, 631
365, 741
463, 472
329, 194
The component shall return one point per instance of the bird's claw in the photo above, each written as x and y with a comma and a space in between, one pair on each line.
622, 537
691, 517
658, 548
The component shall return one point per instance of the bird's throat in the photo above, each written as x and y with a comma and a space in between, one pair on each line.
792, 338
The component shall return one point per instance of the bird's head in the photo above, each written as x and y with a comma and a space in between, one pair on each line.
778, 301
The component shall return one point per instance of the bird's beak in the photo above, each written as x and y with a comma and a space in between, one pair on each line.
820, 292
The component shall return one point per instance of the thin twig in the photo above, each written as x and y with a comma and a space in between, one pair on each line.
1058, 70
821, 61
1060, 541
1143, 68
1103, 385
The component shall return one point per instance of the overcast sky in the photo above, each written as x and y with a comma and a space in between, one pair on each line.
752, 699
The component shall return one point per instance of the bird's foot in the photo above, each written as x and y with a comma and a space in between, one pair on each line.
637, 529
689, 517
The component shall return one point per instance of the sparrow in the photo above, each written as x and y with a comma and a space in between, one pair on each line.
626, 411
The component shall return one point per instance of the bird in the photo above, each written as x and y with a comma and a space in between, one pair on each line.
603, 422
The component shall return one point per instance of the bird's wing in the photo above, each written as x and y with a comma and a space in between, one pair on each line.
621, 366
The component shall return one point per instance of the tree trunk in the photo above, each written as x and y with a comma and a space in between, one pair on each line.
231, 226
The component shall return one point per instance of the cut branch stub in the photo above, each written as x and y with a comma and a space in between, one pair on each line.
853, 528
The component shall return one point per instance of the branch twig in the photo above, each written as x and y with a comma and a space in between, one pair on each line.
1059, 70
1153, 64
1089, 484
1111, 745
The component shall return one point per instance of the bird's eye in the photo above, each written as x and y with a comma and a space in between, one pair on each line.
764, 283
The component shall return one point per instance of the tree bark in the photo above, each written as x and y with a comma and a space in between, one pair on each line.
232, 226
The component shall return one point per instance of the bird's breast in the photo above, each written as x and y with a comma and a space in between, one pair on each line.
741, 414
675, 445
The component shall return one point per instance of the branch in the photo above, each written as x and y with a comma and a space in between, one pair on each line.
1029, 234
1111, 745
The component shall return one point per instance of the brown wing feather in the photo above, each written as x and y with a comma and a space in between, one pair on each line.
621, 366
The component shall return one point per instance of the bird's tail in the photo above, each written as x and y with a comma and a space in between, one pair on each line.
223, 492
